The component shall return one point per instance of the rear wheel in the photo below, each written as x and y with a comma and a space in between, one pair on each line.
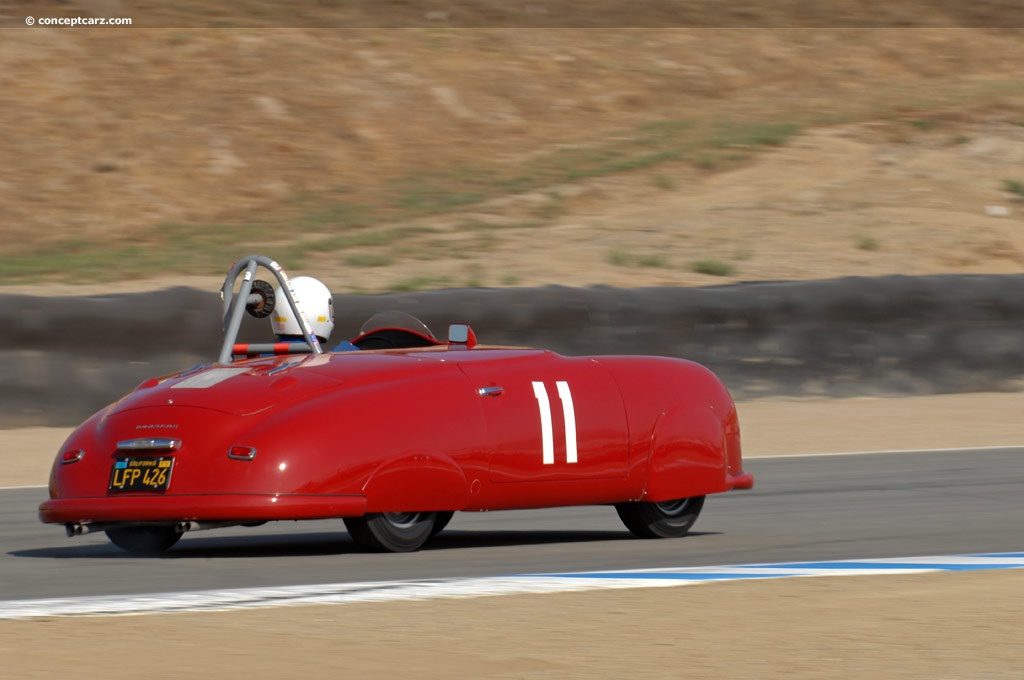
144, 539
669, 519
441, 520
392, 531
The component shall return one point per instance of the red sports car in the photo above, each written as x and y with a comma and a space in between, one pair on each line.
395, 437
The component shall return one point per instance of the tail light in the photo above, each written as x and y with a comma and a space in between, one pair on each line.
242, 453
71, 456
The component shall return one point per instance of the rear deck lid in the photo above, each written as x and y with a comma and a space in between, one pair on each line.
240, 390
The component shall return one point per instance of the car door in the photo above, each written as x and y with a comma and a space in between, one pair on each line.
548, 417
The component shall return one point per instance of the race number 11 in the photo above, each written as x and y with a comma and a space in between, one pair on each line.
568, 412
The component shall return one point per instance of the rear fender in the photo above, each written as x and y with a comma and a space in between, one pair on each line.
688, 454
417, 482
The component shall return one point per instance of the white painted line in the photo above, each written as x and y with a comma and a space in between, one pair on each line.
955, 449
347, 593
15, 488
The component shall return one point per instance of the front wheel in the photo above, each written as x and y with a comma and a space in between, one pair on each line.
144, 539
669, 519
392, 531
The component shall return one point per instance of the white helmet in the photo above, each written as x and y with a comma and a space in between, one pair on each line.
314, 299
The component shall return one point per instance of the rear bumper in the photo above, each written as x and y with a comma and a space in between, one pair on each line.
744, 480
254, 507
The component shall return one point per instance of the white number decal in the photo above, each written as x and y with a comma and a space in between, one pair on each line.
545, 422
570, 420
568, 412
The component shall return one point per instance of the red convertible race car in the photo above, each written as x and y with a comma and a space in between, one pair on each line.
393, 438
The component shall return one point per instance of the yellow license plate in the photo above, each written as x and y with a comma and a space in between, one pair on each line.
141, 474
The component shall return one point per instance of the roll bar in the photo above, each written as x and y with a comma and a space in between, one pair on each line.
234, 304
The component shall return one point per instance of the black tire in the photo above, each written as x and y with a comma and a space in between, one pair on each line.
144, 539
441, 520
669, 519
392, 531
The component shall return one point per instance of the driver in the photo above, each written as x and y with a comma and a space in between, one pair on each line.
317, 304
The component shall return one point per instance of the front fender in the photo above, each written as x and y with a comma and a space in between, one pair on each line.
688, 454
417, 482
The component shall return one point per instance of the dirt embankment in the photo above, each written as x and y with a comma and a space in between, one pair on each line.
541, 149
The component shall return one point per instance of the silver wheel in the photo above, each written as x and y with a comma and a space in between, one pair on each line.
392, 531
680, 506
667, 519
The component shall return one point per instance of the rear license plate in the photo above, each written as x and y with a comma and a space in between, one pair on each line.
152, 473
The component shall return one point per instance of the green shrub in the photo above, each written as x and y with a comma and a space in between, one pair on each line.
868, 243
1015, 187
713, 268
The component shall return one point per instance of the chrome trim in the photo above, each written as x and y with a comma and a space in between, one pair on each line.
81, 528
75, 529
283, 367
493, 391
194, 525
159, 444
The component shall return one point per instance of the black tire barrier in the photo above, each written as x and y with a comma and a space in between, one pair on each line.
62, 359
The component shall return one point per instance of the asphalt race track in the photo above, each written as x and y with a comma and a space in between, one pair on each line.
803, 508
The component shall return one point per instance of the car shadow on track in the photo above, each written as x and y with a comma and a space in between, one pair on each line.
327, 543
461, 539
255, 545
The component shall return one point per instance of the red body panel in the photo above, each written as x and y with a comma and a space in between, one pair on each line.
439, 428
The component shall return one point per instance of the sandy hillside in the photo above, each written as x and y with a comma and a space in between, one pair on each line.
397, 159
